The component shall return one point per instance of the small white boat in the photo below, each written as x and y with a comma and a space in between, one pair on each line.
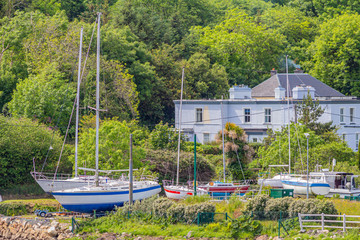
181, 192
221, 189
274, 182
317, 184
341, 183
104, 198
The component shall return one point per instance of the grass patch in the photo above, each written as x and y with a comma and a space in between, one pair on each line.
138, 227
23, 207
347, 207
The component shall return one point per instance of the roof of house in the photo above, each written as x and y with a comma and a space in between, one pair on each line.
266, 88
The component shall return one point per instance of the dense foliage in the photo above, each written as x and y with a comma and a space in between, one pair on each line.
23, 141
145, 44
322, 149
264, 207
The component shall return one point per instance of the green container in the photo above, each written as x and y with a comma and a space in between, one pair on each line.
280, 193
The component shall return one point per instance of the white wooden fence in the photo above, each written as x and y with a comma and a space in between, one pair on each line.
341, 221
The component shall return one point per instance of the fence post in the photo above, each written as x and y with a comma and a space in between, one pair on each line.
300, 221
344, 222
226, 216
279, 228
198, 219
322, 221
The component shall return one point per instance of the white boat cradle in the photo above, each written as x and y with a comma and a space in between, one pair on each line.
317, 184
104, 198
341, 183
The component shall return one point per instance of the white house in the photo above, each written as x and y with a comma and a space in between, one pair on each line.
265, 106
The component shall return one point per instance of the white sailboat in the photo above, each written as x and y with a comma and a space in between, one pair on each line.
176, 191
50, 182
341, 183
301, 184
103, 197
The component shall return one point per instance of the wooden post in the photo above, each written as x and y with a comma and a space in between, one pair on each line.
344, 223
131, 174
322, 222
300, 221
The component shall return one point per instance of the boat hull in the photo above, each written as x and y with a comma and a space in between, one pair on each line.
223, 190
99, 201
49, 185
342, 193
300, 187
177, 193
274, 182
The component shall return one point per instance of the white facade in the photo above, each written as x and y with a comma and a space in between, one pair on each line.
256, 115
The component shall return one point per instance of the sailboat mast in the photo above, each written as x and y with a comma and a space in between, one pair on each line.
288, 103
180, 119
97, 102
223, 138
77, 106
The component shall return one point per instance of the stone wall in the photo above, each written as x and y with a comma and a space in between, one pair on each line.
21, 228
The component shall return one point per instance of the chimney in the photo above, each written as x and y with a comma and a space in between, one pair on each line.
298, 70
240, 92
280, 93
273, 72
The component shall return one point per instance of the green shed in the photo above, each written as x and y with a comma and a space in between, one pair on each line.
280, 193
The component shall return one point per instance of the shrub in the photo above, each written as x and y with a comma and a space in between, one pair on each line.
244, 224
161, 205
311, 206
257, 205
12, 209
176, 212
191, 211
275, 205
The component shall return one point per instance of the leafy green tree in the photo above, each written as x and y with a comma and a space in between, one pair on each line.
309, 112
21, 141
45, 96
159, 21
238, 43
334, 55
322, 149
114, 145
73, 8
204, 80
48, 7
251, 7
164, 137
292, 23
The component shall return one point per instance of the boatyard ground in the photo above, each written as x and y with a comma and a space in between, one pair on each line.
120, 225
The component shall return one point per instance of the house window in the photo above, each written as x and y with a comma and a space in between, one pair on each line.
357, 142
206, 137
267, 115
255, 140
199, 115
341, 115
247, 115
352, 111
